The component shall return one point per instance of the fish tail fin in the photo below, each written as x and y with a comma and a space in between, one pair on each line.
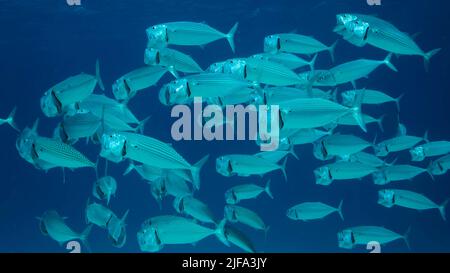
406, 237
397, 101
283, 168
380, 122
196, 171
266, 230
124, 217
230, 36
339, 210
425, 137
331, 49
387, 61
35, 126
428, 56
312, 63
172, 71
334, 95
11, 119
88, 202
220, 232
97, 75
84, 236
292, 151
442, 209
357, 113
140, 128
130, 167
429, 168
267, 189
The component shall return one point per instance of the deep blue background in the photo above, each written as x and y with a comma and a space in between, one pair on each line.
44, 41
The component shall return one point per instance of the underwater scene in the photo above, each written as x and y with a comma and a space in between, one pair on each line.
224, 126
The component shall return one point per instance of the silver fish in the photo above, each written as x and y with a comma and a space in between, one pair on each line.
362, 235
342, 170
409, 199
186, 33
312, 211
246, 191
430, 149
172, 59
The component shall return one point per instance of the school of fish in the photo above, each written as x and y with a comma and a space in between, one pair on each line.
285, 75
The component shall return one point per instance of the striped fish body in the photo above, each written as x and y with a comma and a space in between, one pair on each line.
80, 125
386, 36
365, 234
246, 165
289, 60
301, 44
367, 159
268, 72
401, 143
354, 70
179, 230
171, 58
343, 145
347, 170
74, 89
214, 85
127, 85
312, 113
60, 154
153, 152
401, 172
412, 200
191, 33
245, 216
310, 211
97, 104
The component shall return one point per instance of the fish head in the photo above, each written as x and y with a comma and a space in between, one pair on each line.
323, 176
257, 99
48, 105
113, 147
345, 18
380, 149
292, 214
319, 150
223, 166
230, 213
346, 239
116, 231
178, 204
25, 145
324, 77
272, 44
120, 91
386, 198
237, 67
152, 56
157, 36
175, 92
348, 98
417, 153
216, 67
148, 238
230, 197
379, 178
436, 168
158, 189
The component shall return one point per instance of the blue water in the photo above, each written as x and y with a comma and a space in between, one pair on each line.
45, 41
